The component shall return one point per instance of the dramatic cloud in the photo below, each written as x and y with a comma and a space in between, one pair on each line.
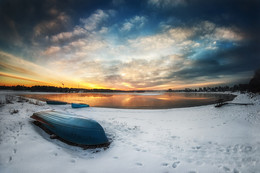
153, 44
64, 36
95, 20
51, 50
166, 3
51, 26
136, 22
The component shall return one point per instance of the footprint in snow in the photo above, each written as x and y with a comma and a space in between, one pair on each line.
226, 169
165, 164
175, 137
196, 148
10, 159
139, 164
175, 164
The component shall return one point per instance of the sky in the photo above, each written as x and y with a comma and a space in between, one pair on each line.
129, 44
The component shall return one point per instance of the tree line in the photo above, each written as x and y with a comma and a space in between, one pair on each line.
252, 86
239, 87
40, 88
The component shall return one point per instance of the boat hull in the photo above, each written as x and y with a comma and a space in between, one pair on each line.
78, 105
50, 102
72, 128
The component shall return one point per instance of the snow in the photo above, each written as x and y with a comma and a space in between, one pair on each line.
196, 139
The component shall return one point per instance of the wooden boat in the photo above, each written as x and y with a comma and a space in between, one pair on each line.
79, 105
72, 128
53, 102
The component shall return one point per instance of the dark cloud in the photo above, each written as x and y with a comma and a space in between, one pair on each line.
227, 62
243, 16
240, 14
31, 25
22, 16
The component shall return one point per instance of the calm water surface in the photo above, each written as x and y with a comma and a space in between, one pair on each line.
136, 100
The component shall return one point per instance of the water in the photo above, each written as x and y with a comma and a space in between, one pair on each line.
153, 100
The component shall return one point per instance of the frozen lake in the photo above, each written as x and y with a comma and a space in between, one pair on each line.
151, 100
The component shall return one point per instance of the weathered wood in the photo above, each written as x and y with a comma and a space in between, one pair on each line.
225, 103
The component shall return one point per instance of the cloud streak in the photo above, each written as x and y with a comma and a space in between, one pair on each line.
15, 67
23, 79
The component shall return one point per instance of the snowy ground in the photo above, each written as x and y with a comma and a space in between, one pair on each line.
197, 139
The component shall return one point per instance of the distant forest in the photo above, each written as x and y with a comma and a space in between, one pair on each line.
252, 86
39, 88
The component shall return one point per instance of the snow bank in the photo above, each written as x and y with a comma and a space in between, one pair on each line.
197, 139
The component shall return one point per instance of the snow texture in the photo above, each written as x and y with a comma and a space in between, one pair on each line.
191, 140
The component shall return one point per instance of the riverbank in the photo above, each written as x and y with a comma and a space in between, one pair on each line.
196, 139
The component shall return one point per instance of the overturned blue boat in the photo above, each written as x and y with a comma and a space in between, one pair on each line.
72, 128
79, 105
52, 102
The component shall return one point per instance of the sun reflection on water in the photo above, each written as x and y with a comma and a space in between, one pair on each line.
136, 100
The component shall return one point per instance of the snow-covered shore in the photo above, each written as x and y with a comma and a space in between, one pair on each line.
197, 139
